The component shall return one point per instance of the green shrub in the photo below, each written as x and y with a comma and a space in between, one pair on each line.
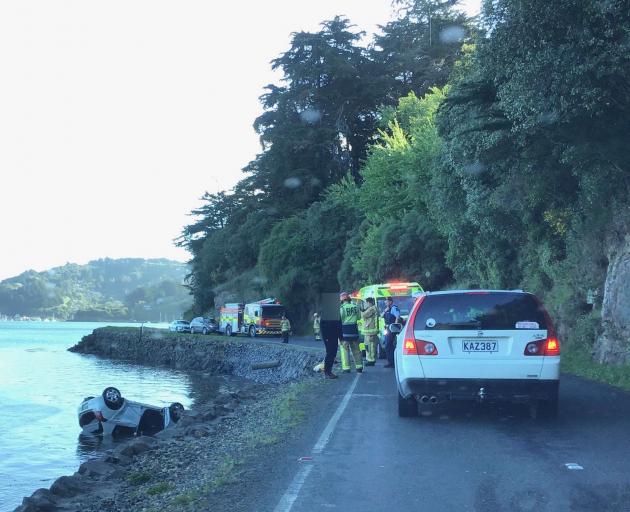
160, 488
585, 331
138, 477
579, 362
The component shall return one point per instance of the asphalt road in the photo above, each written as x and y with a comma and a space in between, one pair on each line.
454, 457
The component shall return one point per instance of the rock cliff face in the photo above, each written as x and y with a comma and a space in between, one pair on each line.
264, 362
613, 346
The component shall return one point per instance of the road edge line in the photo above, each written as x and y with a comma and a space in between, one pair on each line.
288, 498
332, 423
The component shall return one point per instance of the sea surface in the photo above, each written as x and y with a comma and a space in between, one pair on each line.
41, 386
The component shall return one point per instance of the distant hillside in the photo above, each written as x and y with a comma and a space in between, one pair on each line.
102, 290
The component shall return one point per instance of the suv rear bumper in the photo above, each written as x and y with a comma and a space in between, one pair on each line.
487, 390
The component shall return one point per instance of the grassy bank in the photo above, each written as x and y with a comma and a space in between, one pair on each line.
578, 362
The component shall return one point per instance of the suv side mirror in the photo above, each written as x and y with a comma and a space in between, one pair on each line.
395, 328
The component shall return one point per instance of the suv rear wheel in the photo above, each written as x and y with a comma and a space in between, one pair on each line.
407, 407
112, 398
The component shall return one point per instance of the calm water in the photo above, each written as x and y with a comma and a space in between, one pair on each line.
41, 386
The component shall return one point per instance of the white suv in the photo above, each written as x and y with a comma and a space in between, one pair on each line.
483, 345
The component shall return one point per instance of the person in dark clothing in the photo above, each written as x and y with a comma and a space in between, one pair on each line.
330, 325
391, 315
331, 332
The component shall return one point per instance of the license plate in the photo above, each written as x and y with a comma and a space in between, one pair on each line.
480, 346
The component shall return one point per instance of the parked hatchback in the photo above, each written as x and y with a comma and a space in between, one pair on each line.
203, 325
482, 345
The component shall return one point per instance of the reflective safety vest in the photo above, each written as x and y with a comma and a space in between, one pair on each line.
285, 325
349, 313
370, 317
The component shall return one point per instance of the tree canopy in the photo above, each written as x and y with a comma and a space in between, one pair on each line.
316, 130
455, 152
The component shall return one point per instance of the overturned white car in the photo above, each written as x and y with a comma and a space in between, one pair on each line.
111, 414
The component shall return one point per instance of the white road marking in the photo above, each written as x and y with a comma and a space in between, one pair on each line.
573, 466
292, 492
325, 437
289, 497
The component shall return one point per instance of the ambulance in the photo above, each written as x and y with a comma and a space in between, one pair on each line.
260, 318
404, 295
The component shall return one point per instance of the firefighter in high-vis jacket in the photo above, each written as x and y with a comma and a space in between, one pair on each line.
370, 331
350, 315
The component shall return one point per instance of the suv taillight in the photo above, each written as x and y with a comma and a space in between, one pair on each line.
426, 348
548, 347
553, 347
409, 347
419, 348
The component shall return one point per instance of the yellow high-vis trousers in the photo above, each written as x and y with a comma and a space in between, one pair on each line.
344, 348
370, 347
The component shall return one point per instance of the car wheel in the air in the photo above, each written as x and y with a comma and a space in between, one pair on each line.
407, 407
176, 410
112, 397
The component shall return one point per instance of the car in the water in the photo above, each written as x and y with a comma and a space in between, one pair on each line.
111, 414
203, 325
179, 326
482, 345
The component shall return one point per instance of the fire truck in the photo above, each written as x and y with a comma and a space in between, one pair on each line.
260, 318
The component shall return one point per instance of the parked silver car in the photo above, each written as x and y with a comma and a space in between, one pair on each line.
111, 414
179, 326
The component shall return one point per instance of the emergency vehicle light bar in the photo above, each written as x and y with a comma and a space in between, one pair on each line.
270, 300
398, 286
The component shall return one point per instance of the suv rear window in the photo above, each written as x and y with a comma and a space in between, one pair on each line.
483, 311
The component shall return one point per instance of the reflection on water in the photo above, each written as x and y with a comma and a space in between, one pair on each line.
41, 386
90, 446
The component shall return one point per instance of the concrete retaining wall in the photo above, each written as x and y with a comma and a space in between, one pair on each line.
214, 354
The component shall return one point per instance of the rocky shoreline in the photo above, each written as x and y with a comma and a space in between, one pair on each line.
264, 362
186, 467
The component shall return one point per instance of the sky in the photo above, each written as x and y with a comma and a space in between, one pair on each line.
116, 117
